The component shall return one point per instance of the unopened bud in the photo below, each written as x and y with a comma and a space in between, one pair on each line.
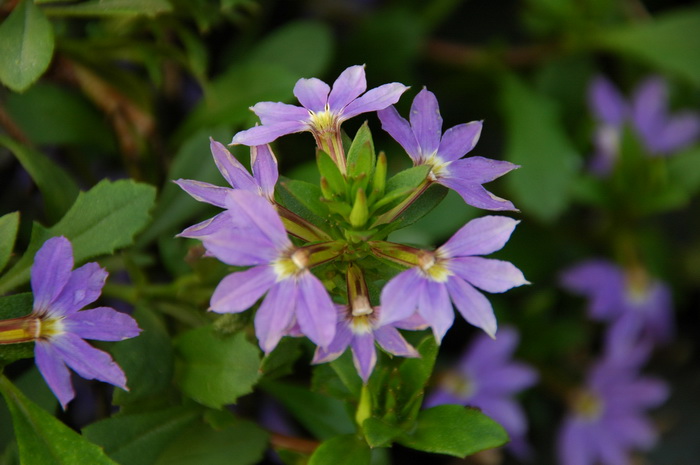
360, 212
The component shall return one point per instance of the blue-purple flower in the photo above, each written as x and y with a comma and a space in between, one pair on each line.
607, 418
450, 275
251, 233
662, 133
323, 109
633, 301
423, 140
486, 377
262, 181
60, 328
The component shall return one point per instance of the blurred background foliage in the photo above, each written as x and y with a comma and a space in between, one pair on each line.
134, 88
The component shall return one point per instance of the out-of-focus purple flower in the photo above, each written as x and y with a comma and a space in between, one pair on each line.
487, 378
423, 140
451, 273
358, 328
323, 108
662, 133
261, 182
607, 418
636, 304
251, 233
59, 293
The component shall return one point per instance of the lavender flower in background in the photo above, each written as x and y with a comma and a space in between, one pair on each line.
485, 377
424, 142
261, 182
322, 112
637, 305
662, 133
450, 273
60, 328
251, 233
607, 419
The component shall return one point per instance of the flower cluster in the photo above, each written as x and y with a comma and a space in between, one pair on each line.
341, 227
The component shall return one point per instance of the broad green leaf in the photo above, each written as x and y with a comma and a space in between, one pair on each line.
147, 376
216, 370
454, 430
664, 42
430, 199
192, 161
684, 171
348, 449
281, 360
408, 179
111, 8
536, 141
302, 47
307, 194
26, 46
42, 438
41, 113
414, 374
361, 157
100, 221
239, 442
380, 433
323, 416
57, 187
14, 306
8, 233
138, 439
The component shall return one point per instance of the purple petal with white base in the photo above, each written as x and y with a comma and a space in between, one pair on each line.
59, 295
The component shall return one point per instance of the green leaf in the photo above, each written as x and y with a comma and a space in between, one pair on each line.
684, 171
307, 194
138, 439
323, 416
26, 46
342, 450
379, 433
536, 141
147, 376
238, 442
331, 173
414, 374
8, 233
14, 306
57, 187
417, 210
408, 179
112, 8
663, 42
454, 430
361, 157
216, 370
43, 439
302, 47
281, 360
100, 221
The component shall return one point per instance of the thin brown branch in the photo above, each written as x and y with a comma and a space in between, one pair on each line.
301, 445
11, 127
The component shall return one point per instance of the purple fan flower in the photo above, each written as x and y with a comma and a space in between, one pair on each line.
450, 273
251, 233
607, 418
59, 293
424, 142
261, 182
630, 299
358, 328
486, 378
323, 108
662, 133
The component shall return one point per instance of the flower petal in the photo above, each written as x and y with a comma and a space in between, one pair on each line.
459, 140
102, 324
88, 362
679, 132
312, 94
374, 99
505, 411
54, 371
315, 312
207, 227
481, 236
261, 135
399, 297
343, 336
264, 165
649, 109
574, 445
239, 291
475, 195
231, 169
391, 340
249, 209
276, 314
478, 170
364, 355
83, 287
204, 192
474, 307
240, 246
487, 274
350, 84
599, 280
271, 113
435, 308
400, 130
606, 102
51, 271
426, 122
